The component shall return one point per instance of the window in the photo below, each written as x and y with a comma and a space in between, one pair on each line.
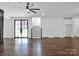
36, 21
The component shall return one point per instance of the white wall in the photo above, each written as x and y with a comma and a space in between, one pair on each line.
7, 28
76, 26
53, 27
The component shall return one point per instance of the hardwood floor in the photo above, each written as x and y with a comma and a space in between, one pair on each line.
40, 47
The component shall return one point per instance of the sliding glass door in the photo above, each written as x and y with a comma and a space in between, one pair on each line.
20, 28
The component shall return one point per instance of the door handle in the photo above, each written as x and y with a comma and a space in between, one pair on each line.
21, 30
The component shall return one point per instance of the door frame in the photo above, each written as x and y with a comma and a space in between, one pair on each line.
14, 27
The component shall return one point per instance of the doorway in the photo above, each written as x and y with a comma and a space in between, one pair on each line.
69, 30
20, 28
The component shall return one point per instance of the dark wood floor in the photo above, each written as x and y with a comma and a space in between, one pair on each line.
40, 47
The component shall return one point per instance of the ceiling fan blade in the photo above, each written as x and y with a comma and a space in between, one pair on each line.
32, 11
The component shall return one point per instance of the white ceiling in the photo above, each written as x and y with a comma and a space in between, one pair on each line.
51, 9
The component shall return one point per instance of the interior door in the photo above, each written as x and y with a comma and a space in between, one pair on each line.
20, 28
69, 30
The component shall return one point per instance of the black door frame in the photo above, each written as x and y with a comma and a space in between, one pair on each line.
27, 27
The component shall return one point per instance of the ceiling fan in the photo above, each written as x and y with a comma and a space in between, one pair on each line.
29, 8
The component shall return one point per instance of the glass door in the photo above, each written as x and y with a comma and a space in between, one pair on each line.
20, 28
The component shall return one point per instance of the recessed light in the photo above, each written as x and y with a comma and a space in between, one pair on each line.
27, 10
